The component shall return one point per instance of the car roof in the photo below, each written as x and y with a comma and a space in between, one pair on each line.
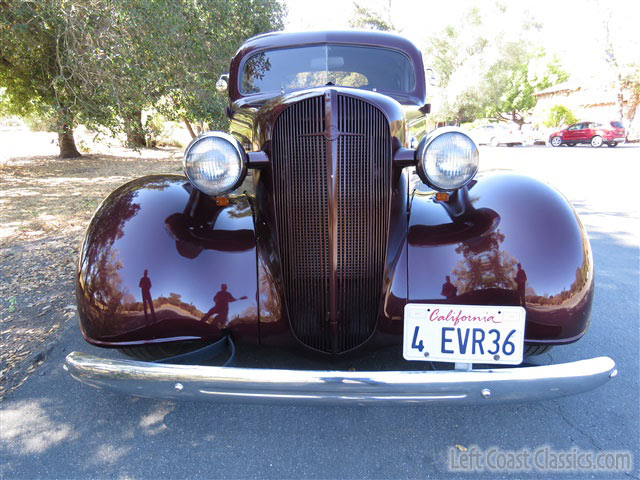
359, 37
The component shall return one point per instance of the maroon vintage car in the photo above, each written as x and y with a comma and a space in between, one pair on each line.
314, 227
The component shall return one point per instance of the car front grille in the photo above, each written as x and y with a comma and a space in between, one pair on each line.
331, 158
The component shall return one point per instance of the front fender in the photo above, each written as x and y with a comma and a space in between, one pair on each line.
199, 259
471, 249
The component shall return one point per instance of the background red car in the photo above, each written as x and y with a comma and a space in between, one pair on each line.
594, 133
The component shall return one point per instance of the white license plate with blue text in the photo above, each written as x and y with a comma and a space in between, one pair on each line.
463, 333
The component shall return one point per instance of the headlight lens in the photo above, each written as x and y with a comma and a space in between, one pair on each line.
215, 163
448, 159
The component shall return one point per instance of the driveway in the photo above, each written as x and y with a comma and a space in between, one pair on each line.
54, 427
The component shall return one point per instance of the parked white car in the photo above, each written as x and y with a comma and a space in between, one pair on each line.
495, 134
536, 136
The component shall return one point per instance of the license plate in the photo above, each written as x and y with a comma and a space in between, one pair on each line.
463, 333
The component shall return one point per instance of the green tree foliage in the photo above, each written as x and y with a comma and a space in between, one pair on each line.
457, 54
103, 62
559, 116
167, 55
630, 85
509, 84
193, 63
454, 47
35, 66
487, 74
370, 19
626, 75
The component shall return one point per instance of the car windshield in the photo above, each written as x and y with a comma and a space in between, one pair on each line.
288, 69
617, 125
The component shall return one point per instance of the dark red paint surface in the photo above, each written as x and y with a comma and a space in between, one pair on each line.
504, 221
216, 269
583, 132
479, 239
190, 248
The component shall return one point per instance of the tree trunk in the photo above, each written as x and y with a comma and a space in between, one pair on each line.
620, 98
189, 127
66, 142
134, 129
632, 108
517, 119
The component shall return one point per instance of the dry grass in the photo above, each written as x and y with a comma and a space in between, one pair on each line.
45, 205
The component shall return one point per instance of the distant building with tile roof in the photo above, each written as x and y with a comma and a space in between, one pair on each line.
586, 101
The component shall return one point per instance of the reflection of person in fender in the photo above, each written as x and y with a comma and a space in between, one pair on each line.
521, 281
145, 286
221, 306
449, 290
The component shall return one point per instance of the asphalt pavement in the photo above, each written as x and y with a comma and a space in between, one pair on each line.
54, 427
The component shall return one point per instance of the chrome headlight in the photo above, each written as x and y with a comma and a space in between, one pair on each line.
447, 159
215, 163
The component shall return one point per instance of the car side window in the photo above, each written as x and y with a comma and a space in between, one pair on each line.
577, 126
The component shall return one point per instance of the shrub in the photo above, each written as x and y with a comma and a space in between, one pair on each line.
559, 116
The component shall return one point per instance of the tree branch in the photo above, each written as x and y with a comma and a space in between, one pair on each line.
7, 63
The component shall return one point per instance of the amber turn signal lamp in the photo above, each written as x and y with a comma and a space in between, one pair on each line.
222, 201
442, 197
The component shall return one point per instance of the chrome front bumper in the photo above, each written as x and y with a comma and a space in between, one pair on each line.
248, 385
